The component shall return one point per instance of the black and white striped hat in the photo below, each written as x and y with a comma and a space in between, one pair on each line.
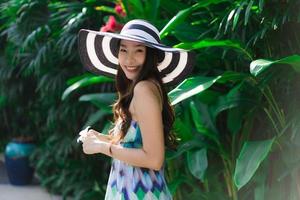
98, 51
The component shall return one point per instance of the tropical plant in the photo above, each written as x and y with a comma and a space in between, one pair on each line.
220, 123
40, 55
236, 116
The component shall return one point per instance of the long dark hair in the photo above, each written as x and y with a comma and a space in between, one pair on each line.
125, 88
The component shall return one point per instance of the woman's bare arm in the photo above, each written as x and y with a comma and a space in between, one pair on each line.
147, 109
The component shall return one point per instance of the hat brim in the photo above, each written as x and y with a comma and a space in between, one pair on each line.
98, 54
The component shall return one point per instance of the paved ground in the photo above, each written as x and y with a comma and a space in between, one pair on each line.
29, 192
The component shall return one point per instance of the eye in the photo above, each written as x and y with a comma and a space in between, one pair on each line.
140, 50
123, 50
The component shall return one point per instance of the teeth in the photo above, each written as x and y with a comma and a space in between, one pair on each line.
131, 68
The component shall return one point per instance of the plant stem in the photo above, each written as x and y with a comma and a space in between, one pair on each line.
232, 192
268, 95
272, 121
279, 112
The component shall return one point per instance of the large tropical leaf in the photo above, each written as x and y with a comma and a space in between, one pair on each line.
173, 7
183, 14
182, 128
103, 101
185, 147
134, 8
261, 65
203, 121
197, 163
2, 101
235, 97
213, 43
175, 184
86, 81
95, 117
251, 156
190, 87
151, 9
196, 85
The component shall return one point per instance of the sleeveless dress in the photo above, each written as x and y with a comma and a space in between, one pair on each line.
127, 182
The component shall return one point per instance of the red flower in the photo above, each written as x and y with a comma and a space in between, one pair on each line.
111, 25
119, 10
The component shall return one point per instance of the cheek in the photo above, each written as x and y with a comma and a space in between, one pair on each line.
142, 59
120, 58
121, 61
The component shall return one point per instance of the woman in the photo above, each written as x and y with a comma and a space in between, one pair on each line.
143, 115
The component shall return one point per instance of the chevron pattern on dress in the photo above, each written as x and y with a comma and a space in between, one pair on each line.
128, 182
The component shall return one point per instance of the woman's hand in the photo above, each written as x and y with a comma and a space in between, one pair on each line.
92, 145
93, 141
92, 133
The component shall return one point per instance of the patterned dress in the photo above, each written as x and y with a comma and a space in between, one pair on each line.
127, 182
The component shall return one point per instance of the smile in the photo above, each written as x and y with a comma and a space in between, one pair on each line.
132, 68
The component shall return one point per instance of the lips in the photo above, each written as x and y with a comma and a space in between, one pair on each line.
132, 68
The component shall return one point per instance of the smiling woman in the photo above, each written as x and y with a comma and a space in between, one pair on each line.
143, 115
131, 58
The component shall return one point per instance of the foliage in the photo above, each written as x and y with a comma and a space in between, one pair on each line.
237, 117
40, 56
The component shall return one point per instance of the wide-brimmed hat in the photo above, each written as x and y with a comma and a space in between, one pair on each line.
98, 51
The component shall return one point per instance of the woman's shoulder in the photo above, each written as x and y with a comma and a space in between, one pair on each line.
146, 86
146, 91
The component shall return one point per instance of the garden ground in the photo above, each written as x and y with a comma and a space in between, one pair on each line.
28, 192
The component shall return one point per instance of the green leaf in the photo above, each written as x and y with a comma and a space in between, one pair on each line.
175, 21
203, 122
234, 120
235, 97
134, 7
247, 13
261, 5
196, 85
183, 14
182, 129
213, 43
95, 117
196, 117
172, 8
190, 87
151, 9
251, 156
106, 9
261, 65
2, 101
230, 100
74, 79
85, 82
197, 163
229, 18
102, 101
184, 147
173, 185
237, 15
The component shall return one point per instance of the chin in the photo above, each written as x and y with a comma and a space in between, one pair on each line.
131, 77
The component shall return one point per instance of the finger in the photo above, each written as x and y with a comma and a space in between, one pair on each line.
83, 132
90, 133
97, 136
93, 134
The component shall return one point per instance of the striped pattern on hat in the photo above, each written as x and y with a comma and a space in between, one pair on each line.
98, 54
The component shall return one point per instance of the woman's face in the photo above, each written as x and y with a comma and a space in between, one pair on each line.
131, 56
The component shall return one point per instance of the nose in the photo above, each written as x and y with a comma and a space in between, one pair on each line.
130, 59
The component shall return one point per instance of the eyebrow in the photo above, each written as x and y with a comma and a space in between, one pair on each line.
139, 45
